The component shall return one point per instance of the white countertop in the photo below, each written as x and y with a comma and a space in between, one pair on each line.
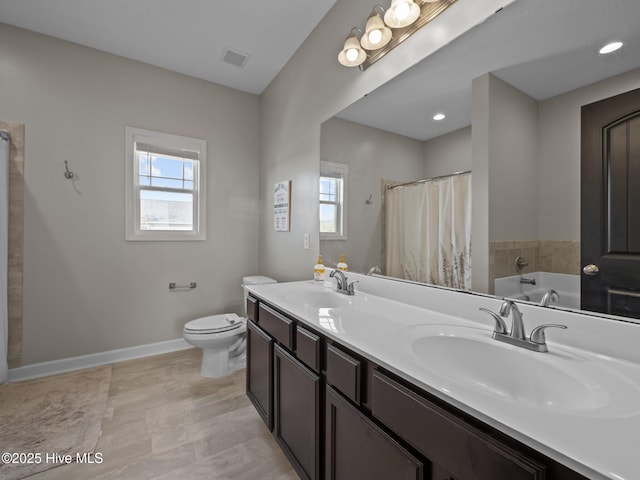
385, 316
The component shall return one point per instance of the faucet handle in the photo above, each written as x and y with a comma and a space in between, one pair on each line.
351, 288
500, 326
537, 334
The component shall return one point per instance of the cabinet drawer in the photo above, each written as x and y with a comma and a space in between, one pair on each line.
445, 439
308, 348
252, 305
276, 325
344, 373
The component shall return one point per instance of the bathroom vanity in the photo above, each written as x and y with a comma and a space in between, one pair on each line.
403, 381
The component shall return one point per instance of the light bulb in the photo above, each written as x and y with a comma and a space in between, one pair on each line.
439, 116
352, 54
402, 11
611, 47
375, 36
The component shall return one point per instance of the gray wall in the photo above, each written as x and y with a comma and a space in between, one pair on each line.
448, 153
505, 170
86, 290
371, 155
513, 163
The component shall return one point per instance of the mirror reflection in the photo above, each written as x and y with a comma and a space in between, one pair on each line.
519, 81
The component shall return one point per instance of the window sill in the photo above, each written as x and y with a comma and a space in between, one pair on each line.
165, 237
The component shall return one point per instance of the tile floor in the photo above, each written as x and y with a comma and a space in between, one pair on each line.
163, 421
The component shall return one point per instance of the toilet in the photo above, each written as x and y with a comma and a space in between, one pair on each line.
222, 337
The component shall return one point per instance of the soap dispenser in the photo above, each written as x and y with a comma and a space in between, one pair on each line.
318, 271
342, 265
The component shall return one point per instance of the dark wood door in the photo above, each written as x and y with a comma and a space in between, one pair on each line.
260, 371
296, 412
358, 449
610, 204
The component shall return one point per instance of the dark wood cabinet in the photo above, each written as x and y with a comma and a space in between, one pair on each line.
339, 416
358, 449
439, 473
308, 348
296, 413
344, 372
277, 325
260, 371
462, 449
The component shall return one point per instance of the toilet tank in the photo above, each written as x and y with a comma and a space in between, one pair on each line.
253, 280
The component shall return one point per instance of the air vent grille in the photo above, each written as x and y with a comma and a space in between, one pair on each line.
235, 57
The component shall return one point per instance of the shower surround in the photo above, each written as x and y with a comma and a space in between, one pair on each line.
16, 240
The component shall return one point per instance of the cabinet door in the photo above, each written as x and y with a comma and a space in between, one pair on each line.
439, 473
260, 371
297, 413
357, 449
447, 440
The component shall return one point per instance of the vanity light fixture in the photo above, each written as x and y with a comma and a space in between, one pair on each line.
439, 116
376, 33
610, 48
384, 30
352, 54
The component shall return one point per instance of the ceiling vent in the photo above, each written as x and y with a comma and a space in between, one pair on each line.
235, 57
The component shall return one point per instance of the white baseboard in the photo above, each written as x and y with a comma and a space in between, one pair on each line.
95, 359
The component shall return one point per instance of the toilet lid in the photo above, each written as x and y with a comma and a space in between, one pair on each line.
214, 324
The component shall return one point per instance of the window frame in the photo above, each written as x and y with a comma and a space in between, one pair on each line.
341, 171
133, 232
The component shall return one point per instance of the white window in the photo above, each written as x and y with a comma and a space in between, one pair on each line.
333, 209
165, 186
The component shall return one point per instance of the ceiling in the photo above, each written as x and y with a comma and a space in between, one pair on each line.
186, 36
542, 51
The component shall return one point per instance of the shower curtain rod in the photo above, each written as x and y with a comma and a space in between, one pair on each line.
425, 180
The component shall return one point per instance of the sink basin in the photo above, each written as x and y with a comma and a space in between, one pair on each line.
315, 296
470, 359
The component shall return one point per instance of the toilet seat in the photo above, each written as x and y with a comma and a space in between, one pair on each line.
225, 322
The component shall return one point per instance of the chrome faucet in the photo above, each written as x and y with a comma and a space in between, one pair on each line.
343, 285
517, 326
529, 281
373, 270
536, 342
549, 296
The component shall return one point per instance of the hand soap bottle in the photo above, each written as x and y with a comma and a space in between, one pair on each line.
342, 264
318, 271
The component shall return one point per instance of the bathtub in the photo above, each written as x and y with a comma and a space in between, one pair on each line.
567, 286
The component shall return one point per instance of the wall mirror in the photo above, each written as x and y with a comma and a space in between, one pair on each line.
511, 92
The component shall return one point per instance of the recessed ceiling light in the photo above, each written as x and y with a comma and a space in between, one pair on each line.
610, 47
439, 116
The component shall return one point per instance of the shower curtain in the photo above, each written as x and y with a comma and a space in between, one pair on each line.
5, 145
428, 233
